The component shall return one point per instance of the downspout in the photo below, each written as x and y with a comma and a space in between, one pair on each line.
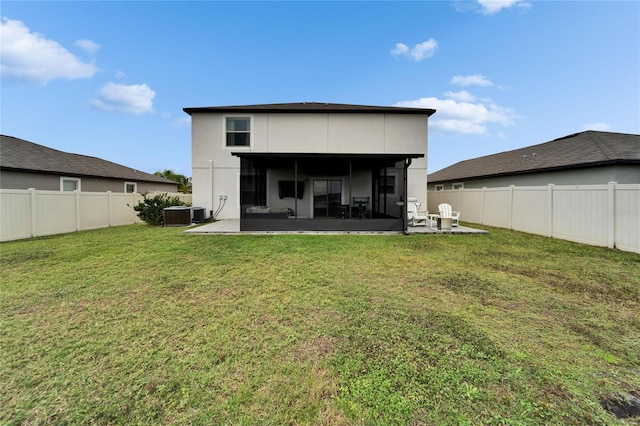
211, 182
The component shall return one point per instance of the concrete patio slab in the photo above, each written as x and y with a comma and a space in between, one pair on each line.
232, 226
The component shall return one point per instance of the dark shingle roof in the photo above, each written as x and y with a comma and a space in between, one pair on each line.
18, 154
312, 107
585, 149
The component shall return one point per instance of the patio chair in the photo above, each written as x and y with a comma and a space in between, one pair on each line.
415, 217
447, 213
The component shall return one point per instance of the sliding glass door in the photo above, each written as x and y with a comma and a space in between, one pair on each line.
327, 197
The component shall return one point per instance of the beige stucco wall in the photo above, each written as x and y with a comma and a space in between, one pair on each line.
216, 172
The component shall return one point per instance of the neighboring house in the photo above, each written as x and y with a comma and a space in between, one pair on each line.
584, 158
309, 166
26, 165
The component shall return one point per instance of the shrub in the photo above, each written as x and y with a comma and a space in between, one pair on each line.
150, 209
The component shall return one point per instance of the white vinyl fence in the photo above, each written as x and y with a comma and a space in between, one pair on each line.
33, 213
603, 215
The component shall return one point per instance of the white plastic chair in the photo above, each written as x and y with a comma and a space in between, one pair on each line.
447, 213
415, 217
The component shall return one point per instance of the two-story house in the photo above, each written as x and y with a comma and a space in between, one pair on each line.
309, 166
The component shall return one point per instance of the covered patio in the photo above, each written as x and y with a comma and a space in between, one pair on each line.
323, 192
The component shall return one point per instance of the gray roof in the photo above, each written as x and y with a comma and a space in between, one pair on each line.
312, 107
18, 154
585, 149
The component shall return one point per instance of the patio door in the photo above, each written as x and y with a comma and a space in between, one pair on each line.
327, 197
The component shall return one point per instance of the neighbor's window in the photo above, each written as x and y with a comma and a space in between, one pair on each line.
388, 184
439, 187
130, 187
238, 131
458, 186
69, 184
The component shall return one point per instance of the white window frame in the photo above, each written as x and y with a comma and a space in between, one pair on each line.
224, 132
457, 185
78, 182
439, 187
135, 187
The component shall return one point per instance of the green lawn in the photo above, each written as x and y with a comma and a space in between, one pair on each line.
143, 325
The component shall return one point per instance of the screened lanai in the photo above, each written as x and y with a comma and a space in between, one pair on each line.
323, 192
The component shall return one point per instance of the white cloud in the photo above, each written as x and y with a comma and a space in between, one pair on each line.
419, 52
463, 117
471, 80
462, 96
32, 57
491, 7
602, 127
87, 45
130, 99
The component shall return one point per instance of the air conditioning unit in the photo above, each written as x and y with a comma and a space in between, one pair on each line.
177, 216
197, 214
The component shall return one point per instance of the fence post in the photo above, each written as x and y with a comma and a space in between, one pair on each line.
610, 214
32, 193
509, 219
109, 206
76, 195
484, 191
136, 201
550, 188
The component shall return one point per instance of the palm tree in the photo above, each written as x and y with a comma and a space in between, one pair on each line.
184, 183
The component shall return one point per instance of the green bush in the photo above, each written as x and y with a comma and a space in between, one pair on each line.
150, 209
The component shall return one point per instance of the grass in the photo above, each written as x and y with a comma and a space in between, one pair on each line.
143, 325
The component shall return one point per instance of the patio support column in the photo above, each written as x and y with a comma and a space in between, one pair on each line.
350, 187
407, 163
295, 188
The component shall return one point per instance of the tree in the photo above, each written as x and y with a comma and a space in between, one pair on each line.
183, 181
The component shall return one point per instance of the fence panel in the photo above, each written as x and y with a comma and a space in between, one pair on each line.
433, 199
603, 215
15, 214
122, 212
94, 210
32, 213
579, 214
530, 210
470, 207
496, 207
626, 214
55, 213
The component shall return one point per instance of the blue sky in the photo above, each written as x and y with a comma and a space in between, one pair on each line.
110, 79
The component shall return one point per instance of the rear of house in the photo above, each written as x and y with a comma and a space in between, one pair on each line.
309, 166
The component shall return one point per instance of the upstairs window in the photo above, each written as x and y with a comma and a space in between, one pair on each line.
238, 131
130, 187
